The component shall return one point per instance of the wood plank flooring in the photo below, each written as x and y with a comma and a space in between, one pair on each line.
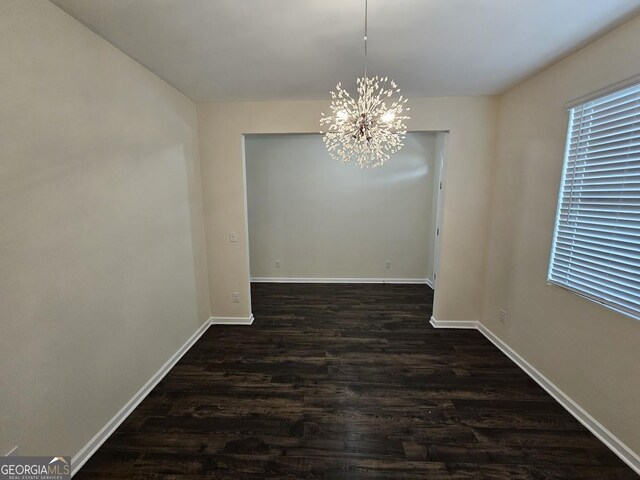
349, 382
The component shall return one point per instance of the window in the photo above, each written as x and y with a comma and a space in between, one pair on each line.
596, 243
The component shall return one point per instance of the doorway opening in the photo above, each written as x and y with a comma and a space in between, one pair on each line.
312, 220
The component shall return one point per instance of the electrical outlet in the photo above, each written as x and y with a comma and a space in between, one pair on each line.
502, 316
277, 263
388, 264
235, 297
233, 237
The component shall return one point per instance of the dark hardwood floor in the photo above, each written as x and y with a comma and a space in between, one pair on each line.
349, 382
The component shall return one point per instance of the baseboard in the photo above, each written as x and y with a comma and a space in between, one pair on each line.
463, 324
96, 442
609, 439
12, 451
430, 283
232, 320
337, 280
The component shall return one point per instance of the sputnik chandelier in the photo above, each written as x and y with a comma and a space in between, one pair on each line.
370, 128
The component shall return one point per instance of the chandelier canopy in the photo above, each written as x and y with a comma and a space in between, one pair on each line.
370, 128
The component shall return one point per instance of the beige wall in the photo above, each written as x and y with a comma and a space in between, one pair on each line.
471, 121
322, 219
101, 237
588, 351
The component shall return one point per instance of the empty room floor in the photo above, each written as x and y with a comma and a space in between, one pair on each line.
349, 382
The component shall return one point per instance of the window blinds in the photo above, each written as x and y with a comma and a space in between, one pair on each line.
596, 245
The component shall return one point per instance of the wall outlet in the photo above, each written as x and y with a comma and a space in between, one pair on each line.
277, 263
388, 264
233, 237
235, 297
502, 316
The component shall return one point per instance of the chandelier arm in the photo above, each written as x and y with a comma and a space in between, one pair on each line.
354, 104
378, 103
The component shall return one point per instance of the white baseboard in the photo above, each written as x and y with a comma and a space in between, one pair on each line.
80, 458
232, 320
466, 324
96, 442
337, 280
430, 283
12, 451
609, 439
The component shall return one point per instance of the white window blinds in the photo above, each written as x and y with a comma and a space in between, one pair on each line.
596, 245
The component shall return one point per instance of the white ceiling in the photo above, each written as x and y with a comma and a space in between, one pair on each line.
299, 49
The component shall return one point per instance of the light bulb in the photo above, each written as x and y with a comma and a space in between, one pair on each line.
388, 116
342, 115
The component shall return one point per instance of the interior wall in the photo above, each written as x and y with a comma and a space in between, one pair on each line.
587, 350
101, 239
320, 219
436, 206
471, 123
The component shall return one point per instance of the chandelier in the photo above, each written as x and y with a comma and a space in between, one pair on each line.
370, 128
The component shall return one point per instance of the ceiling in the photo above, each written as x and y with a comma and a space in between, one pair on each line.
299, 49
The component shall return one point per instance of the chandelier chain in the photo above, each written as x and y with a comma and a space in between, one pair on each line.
366, 17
